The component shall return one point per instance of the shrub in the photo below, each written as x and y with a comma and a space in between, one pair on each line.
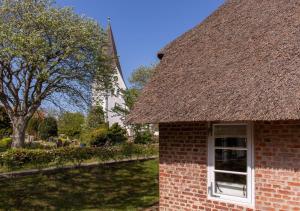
99, 137
95, 117
95, 137
127, 150
17, 158
71, 124
33, 125
39, 145
5, 143
63, 142
117, 134
48, 128
85, 137
20, 158
5, 125
143, 137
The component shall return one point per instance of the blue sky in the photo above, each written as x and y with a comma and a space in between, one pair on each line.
142, 27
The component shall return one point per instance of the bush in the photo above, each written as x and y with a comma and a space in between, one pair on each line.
71, 124
95, 137
99, 137
63, 142
39, 145
5, 144
17, 158
143, 137
48, 128
20, 158
33, 124
117, 134
5, 125
95, 117
104, 136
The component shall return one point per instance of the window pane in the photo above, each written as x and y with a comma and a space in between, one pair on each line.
230, 130
231, 160
231, 142
231, 184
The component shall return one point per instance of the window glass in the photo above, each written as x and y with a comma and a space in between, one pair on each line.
230, 130
231, 184
231, 160
231, 142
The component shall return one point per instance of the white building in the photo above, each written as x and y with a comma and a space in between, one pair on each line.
109, 99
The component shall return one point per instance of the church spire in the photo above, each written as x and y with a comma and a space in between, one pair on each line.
112, 49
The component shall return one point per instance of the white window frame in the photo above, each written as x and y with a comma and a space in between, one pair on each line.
249, 201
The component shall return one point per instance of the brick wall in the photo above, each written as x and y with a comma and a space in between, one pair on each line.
183, 170
277, 165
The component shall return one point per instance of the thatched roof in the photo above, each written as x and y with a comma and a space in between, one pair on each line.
241, 63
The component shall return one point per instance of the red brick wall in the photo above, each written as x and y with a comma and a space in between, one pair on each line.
277, 165
183, 170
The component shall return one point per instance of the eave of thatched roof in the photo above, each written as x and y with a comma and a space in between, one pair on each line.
241, 63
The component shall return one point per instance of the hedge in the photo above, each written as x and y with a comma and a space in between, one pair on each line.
39, 158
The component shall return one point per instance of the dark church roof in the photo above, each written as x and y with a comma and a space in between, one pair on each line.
241, 63
112, 50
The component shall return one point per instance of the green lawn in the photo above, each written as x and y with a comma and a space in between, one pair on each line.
125, 186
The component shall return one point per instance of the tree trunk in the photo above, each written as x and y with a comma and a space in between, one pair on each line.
19, 130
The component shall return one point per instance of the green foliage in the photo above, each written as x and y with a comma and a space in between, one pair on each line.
38, 158
143, 137
33, 126
5, 125
40, 145
104, 135
71, 124
95, 137
140, 77
116, 134
14, 159
95, 117
130, 96
63, 142
48, 128
138, 80
5, 144
49, 54
99, 137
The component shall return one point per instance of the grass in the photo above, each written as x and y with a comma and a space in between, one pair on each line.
123, 186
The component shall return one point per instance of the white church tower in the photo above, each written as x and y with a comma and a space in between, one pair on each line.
109, 99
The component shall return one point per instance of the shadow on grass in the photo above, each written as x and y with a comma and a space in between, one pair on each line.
125, 186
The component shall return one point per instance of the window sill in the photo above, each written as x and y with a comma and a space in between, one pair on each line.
244, 204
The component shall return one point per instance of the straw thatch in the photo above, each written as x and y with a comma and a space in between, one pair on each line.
241, 63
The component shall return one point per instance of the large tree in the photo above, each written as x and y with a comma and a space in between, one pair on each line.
138, 79
47, 53
140, 76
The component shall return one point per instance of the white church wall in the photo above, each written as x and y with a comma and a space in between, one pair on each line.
112, 99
